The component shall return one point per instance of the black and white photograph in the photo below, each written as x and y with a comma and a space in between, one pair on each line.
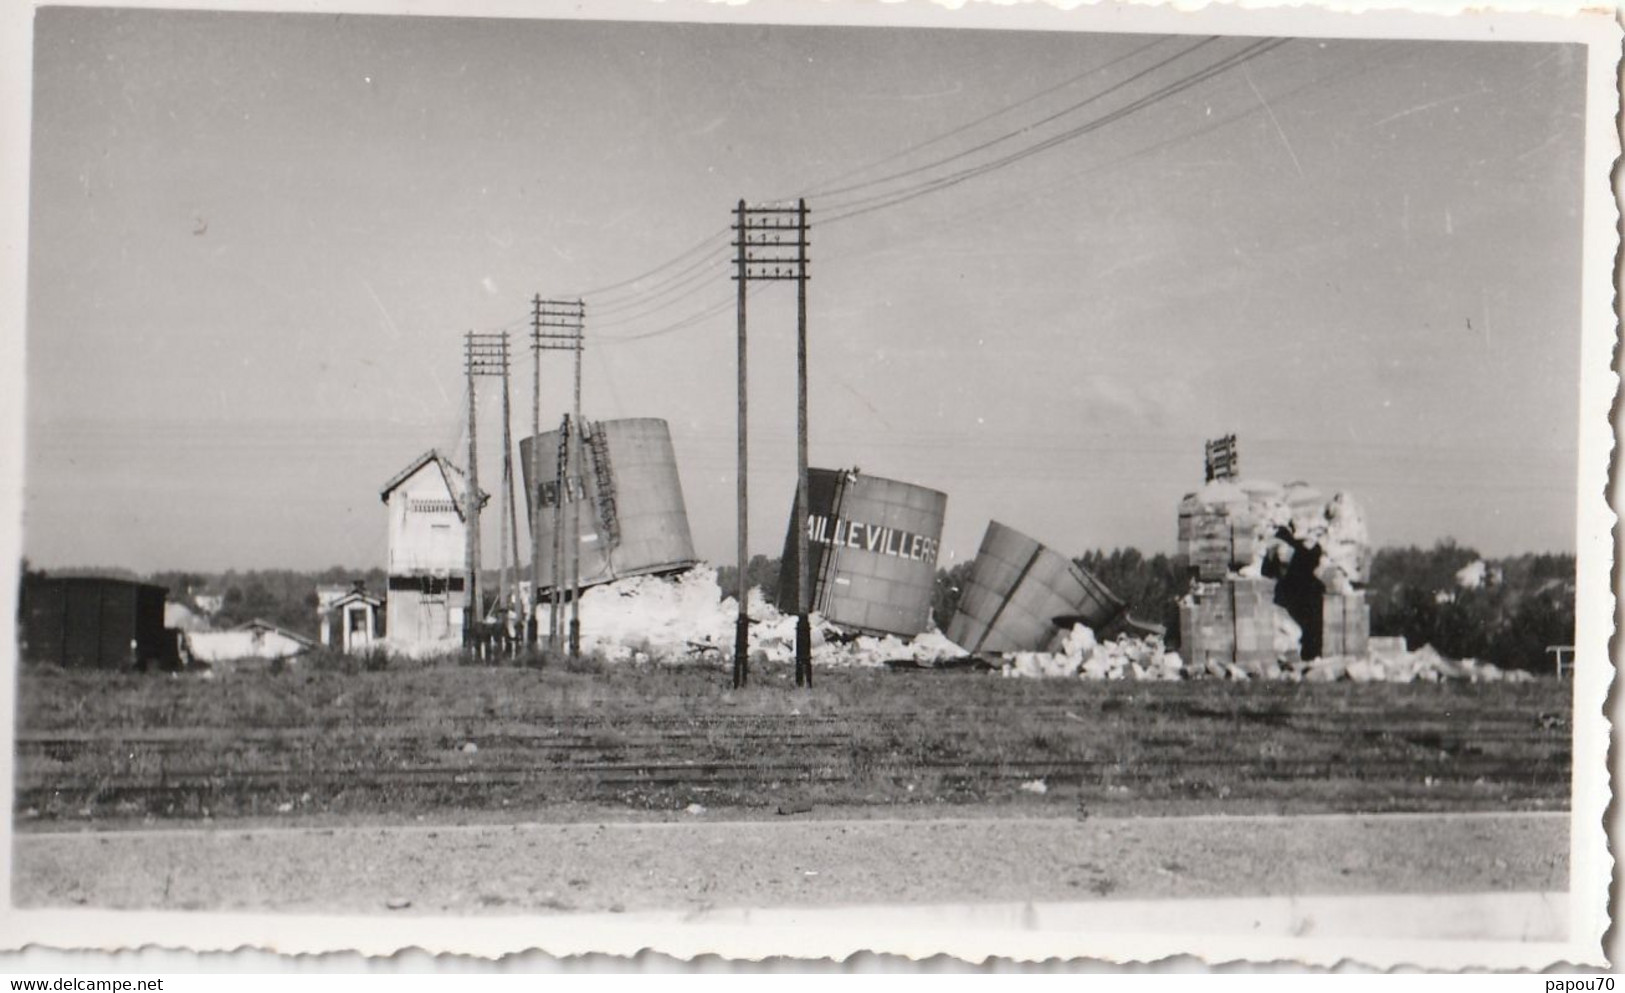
801, 479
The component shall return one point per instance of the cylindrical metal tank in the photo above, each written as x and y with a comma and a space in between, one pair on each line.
624, 479
872, 550
1023, 597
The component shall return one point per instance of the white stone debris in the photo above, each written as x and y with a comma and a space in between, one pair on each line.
680, 619
1146, 659
1396, 664
1083, 656
677, 619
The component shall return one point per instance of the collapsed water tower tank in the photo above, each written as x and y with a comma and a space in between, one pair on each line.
1023, 597
633, 521
872, 547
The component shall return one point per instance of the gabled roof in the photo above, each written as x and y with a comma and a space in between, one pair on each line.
258, 624
456, 481
327, 593
354, 595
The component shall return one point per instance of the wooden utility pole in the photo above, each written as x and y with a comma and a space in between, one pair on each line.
534, 490
556, 325
484, 354
804, 567
771, 242
561, 485
742, 587
576, 458
471, 505
510, 516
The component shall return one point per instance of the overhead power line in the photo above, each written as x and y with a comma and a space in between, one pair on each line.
714, 239
1011, 135
693, 283
883, 201
711, 311
998, 206
717, 240
823, 188
687, 273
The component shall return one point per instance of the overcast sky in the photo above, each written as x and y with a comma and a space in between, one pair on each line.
256, 241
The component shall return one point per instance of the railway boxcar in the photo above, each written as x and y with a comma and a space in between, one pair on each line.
92, 622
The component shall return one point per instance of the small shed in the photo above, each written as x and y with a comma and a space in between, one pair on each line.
357, 614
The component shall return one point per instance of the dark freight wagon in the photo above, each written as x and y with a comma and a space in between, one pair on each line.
94, 623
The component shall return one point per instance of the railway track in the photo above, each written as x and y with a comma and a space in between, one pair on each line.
1151, 748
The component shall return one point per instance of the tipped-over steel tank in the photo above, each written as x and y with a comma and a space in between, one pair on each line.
1023, 597
623, 480
872, 551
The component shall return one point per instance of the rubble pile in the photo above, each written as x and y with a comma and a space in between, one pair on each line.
1230, 527
1399, 665
1083, 656
652, 617
649, 618
1277, 575
1392, 666
679, 619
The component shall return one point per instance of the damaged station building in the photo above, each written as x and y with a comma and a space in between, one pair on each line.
1277, 575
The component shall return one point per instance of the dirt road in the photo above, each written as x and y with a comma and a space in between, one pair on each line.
702, 863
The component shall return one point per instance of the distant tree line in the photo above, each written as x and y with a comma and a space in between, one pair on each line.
1506, 611
761, 571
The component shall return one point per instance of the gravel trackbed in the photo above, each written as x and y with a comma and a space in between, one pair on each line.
701, 863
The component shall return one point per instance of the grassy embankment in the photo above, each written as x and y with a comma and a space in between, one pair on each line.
440, 739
